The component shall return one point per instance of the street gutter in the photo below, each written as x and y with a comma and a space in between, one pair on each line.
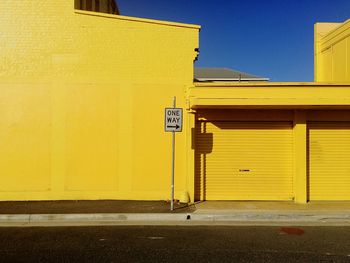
189, 219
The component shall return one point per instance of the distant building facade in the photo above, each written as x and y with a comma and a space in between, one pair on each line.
332, 56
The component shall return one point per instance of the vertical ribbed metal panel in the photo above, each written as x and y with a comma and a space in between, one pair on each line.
329, 161
244, 161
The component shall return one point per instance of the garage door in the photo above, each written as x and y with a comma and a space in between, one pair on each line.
244, 161
329, 161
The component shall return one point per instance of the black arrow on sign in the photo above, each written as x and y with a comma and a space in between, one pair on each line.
176, 127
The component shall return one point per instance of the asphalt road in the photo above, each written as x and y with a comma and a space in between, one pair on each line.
175, 244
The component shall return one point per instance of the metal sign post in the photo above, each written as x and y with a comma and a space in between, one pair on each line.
173, 166
173, 123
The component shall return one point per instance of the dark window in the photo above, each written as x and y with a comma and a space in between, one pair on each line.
103, 6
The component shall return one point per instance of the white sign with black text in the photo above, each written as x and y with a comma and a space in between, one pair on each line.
173, 120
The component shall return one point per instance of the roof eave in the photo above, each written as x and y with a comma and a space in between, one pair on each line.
231, 79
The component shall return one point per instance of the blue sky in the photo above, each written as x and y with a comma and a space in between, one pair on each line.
269, 38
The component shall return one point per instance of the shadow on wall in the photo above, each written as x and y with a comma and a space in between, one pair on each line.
308, 163
202, 142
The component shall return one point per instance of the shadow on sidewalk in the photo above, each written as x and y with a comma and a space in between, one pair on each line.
82, 207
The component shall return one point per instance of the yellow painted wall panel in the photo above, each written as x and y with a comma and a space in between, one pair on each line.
92, 138
329, 161
244, 161
150, 141
25, 138
327, 69
340, 61
347, 77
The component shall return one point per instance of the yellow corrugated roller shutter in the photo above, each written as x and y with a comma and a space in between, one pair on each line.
244, 160
329, 161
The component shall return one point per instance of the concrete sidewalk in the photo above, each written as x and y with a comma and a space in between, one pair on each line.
267, 206
81, 213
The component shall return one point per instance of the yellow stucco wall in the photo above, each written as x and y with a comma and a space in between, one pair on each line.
332, 52
82, 99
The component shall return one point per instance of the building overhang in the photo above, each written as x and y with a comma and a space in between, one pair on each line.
282, 95
230, 79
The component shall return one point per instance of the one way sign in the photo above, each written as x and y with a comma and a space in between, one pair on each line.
173, 120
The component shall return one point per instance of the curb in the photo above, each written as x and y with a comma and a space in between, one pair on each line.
243, 218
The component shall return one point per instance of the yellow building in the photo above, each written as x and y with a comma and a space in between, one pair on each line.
332, 52
277, 141
82, 98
